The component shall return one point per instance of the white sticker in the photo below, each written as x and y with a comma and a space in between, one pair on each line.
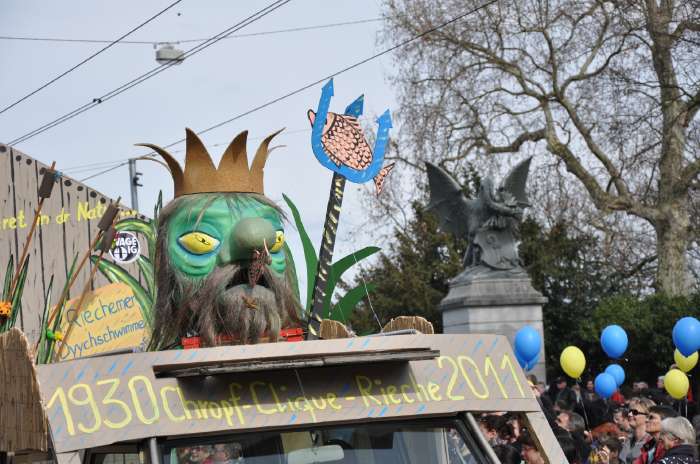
125, 248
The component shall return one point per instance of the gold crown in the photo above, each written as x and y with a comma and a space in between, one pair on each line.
232, 175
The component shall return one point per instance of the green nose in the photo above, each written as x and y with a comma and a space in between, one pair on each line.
251, 234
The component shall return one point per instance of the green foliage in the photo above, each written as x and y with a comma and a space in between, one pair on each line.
339, 313
648, 322
115, 273
565, 268
585, 295
8, 279
43, 346
291, 270
411, 277
337, 270
14, 298
310, 256
47, 339
342, 310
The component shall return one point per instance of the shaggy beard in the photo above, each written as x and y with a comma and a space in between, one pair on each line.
211, 307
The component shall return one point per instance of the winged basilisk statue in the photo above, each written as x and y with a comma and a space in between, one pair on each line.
488, 222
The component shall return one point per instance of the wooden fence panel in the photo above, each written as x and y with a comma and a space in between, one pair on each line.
67, 227
26, 200
51, 238
8, 221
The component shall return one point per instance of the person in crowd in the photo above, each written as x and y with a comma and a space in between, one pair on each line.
640, 388
563, 419
227, 454
514, 422
678, 437
589, 394
576, 388
199, 454
606, 429
638, 409
653, 449
529, 451
622, 420
492, 427
561, 395
696, 426
607, 451
569, 448
658, 394
507, 454
577, 429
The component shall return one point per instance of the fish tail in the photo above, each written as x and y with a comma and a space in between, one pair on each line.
379, 178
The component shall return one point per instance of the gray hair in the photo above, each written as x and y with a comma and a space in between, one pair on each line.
576, 423
680, 428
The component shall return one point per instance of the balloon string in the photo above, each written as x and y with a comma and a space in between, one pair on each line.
583, 406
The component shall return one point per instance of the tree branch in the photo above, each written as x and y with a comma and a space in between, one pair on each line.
514, 147
603, 200
685, 26
597, 151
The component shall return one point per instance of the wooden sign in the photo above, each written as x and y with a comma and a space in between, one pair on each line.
110, 319
99, 401
66, 227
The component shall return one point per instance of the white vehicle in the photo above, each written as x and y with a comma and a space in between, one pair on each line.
367, 400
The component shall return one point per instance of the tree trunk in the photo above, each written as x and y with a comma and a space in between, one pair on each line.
672, 236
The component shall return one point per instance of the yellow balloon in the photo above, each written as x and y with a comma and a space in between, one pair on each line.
676, 383
685, 363
573, 361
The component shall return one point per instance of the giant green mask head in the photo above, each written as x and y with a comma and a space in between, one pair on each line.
223, 270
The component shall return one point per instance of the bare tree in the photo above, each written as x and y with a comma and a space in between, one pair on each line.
610, 89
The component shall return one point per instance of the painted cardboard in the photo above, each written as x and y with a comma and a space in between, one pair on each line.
67, 225
99, 401
110, 319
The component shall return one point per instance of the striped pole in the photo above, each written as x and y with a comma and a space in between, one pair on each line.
325, 256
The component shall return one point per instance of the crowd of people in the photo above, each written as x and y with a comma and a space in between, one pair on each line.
222, 453
637, 425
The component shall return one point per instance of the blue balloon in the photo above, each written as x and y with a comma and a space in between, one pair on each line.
532, 363
605, 385
527, 343
686, 335
617, 372
614, 341
521, 361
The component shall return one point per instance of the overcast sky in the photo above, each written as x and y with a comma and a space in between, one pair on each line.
228, 78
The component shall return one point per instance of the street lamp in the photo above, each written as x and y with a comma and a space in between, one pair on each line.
167, 53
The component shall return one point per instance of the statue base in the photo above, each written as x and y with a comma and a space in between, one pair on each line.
482, 300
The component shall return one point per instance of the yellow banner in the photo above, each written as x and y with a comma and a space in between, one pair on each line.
110, 318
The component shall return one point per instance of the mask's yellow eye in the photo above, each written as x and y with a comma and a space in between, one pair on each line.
198, 243
279, 242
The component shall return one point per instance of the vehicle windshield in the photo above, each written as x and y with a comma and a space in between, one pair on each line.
362, 444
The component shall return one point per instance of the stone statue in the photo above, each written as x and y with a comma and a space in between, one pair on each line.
489, 222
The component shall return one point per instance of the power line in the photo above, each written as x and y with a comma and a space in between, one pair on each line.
341, 71
104, 172
111, 44
155, 71
91, 167
120, 161
347, 68
156, 42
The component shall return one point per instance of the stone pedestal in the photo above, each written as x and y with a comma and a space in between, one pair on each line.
494, 305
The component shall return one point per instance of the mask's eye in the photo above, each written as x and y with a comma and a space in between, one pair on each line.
198, 243
279, 242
